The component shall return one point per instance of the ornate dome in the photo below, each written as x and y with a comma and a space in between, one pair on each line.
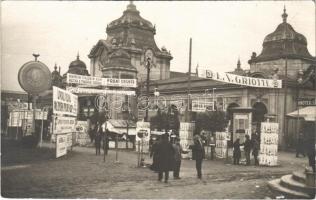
121, 60
77, 63
284, 41
131, 17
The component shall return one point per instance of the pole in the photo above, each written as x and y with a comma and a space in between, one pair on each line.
41, 139
147, 87
141, 153
138, 155
189, 73
213, 99
116, 146
34, 112
284, 106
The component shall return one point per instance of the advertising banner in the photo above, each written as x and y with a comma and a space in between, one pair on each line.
269, 144
77, 90
61, 145
64, 125
201, 106
239, 80
64, 102
98, 81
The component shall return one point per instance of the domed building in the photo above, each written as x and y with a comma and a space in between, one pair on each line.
282, 47
77, 67
134, 35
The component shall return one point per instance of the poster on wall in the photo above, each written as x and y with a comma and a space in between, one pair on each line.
269, 144
82, 134
61, 145
221, 144
64, 102
62, 125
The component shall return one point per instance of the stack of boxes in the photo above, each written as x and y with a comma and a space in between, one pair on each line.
221, 144
269, 144
186, 131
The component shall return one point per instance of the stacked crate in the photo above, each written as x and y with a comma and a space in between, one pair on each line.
186, 131
221, 144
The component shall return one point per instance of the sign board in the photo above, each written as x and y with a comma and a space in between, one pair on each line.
61, 145
18, 106
64, 125
306, 102
142, 131
15, 119
239, 80
34, 77
269, 144
78, 90
98, 81
64, 102
201, 106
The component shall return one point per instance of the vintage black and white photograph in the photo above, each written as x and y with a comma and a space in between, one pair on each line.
158, 99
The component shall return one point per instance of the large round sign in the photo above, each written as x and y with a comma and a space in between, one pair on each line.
34, 77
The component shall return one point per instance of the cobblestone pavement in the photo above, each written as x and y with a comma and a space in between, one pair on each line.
81, 174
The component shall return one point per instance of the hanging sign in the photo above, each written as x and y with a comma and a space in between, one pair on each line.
239, 80
78, 90
201, 106
61, 145
306, 102
64, 102
98, 81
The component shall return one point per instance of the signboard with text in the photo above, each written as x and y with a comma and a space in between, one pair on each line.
78, 90
239, 80
64, 125
98, 81
61, 145
64, 102
306, 102
201, 106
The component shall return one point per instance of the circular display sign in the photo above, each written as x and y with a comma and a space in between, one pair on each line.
34, 77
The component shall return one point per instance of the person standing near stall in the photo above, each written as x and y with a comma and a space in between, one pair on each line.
177, 158
97, 138
165, 158
199, 154
237, 152
247, 148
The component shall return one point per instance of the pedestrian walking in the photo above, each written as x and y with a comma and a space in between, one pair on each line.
199, 154
212, 143
153, 154
236, 153
177, 158
247, 148
97, 138
165, 158
106, 142
300, 145
255, 150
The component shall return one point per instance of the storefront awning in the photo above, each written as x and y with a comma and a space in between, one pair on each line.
308, 113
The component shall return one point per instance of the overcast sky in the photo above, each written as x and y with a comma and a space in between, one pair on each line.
221, 31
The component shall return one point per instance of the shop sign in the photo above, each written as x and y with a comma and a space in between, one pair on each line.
98, 81
306, 102
78, 90
201, 106
64, 125
64, 102
61, 145
239, 80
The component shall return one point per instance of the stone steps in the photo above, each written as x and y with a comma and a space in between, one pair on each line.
293, 186
288, 193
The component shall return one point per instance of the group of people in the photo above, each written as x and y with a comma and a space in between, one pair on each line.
167, 157
249, 145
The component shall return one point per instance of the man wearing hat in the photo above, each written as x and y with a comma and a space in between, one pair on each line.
177, 157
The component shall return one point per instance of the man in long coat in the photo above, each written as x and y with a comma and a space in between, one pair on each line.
199, 154
165, 158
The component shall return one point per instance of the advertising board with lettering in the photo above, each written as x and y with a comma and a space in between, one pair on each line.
64, 102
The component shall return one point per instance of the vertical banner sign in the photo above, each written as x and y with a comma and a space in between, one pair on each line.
64, 102
221, 144
61, 145
269, 144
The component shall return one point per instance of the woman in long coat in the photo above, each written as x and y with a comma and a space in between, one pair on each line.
165, 158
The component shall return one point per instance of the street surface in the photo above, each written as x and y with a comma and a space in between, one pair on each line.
36, 173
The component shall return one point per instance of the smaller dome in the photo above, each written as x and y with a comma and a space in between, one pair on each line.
77, 63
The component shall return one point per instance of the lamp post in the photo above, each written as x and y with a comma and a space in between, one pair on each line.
148, 65
299, 82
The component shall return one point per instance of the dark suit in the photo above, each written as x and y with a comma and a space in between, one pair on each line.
199, 155
165, 159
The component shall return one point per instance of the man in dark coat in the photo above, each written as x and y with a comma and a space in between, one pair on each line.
247, 148
165, 158
97, 138
236, 153
309, 132
177, 158
199, 154
300, 145
153, 154
255, 150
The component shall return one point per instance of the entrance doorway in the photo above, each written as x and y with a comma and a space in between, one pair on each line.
259, 112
